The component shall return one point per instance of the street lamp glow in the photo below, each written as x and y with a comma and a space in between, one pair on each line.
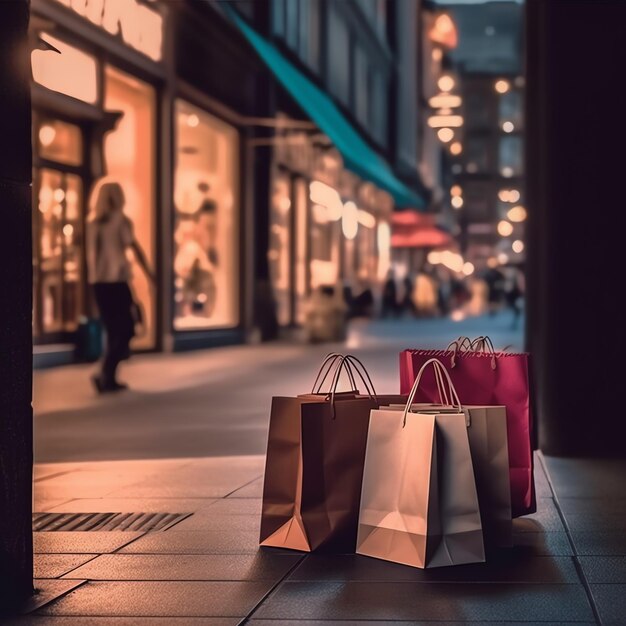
456, 190
518, 246
502, 86
508, 127
439, 121
446, 83
445, 101
503, 258
507, 172
457, 202
445, 134
437, 54
517, 213
434, 257
468, 268
505, 228
456, 148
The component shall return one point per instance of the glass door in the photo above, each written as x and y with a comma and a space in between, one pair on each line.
58, 226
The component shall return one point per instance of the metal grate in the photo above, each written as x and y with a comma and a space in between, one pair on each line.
77, 522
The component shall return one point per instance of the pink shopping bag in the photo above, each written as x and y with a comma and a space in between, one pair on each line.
490, 378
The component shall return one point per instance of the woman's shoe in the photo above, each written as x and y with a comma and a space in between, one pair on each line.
97, 383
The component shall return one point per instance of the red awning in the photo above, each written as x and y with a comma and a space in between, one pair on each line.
411, 229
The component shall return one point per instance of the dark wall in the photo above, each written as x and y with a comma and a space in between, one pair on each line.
16, 550
576, 252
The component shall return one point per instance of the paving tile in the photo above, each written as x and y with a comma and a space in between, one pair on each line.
81, 542
542, 487
55, 565
600, 543
508, 567
594, 514
161, 599
542, 544
196, 542
611, 603
546, 519
591, 478
434, 601
604, 569
47, 590
261, 566
205, 520
313, 622
132, 505
236, 506
251, 490
47, 620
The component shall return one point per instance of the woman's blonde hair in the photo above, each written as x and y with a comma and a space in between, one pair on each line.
106, 195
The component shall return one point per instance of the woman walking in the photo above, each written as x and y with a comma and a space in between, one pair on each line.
109, 237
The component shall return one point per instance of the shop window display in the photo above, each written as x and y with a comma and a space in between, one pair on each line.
129, 152
206, 250
57, 261
279, 254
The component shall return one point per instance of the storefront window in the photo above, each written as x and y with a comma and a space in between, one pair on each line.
130, 158
61, 142
58, 72
302, 228
57, 260
326, 213
206, 244
279, 254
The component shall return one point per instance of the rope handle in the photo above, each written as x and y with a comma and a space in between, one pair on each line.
347, 361
484, 344
328, 364
441, 376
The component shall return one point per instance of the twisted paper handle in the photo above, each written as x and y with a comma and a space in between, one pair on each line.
441, 376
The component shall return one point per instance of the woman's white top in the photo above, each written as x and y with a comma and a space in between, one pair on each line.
107, 243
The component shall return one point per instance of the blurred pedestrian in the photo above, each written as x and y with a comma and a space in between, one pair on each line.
513, 294
109, 237
408, 302
390, 297
495, 286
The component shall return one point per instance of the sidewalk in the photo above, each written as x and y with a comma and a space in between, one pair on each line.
204, 567
207, 568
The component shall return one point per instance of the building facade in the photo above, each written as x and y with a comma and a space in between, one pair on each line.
488, 181
242, 204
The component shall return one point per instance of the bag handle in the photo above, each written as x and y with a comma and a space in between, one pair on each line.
363, 374
484, 344
461, 344
441, 375
347, 361
327, 364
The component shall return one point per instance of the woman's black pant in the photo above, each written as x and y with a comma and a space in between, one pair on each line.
114, 302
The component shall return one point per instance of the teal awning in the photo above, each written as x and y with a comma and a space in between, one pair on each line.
358, 156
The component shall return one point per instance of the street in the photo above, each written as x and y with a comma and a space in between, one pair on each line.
216, 403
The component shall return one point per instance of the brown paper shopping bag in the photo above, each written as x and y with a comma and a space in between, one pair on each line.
419, 504
314, 466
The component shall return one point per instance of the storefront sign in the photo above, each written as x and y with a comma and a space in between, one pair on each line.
139, 26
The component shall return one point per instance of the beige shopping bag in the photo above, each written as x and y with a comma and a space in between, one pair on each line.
419, 504
487, 431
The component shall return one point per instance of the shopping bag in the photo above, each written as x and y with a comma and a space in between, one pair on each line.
488, 378
419, 504
314, 466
